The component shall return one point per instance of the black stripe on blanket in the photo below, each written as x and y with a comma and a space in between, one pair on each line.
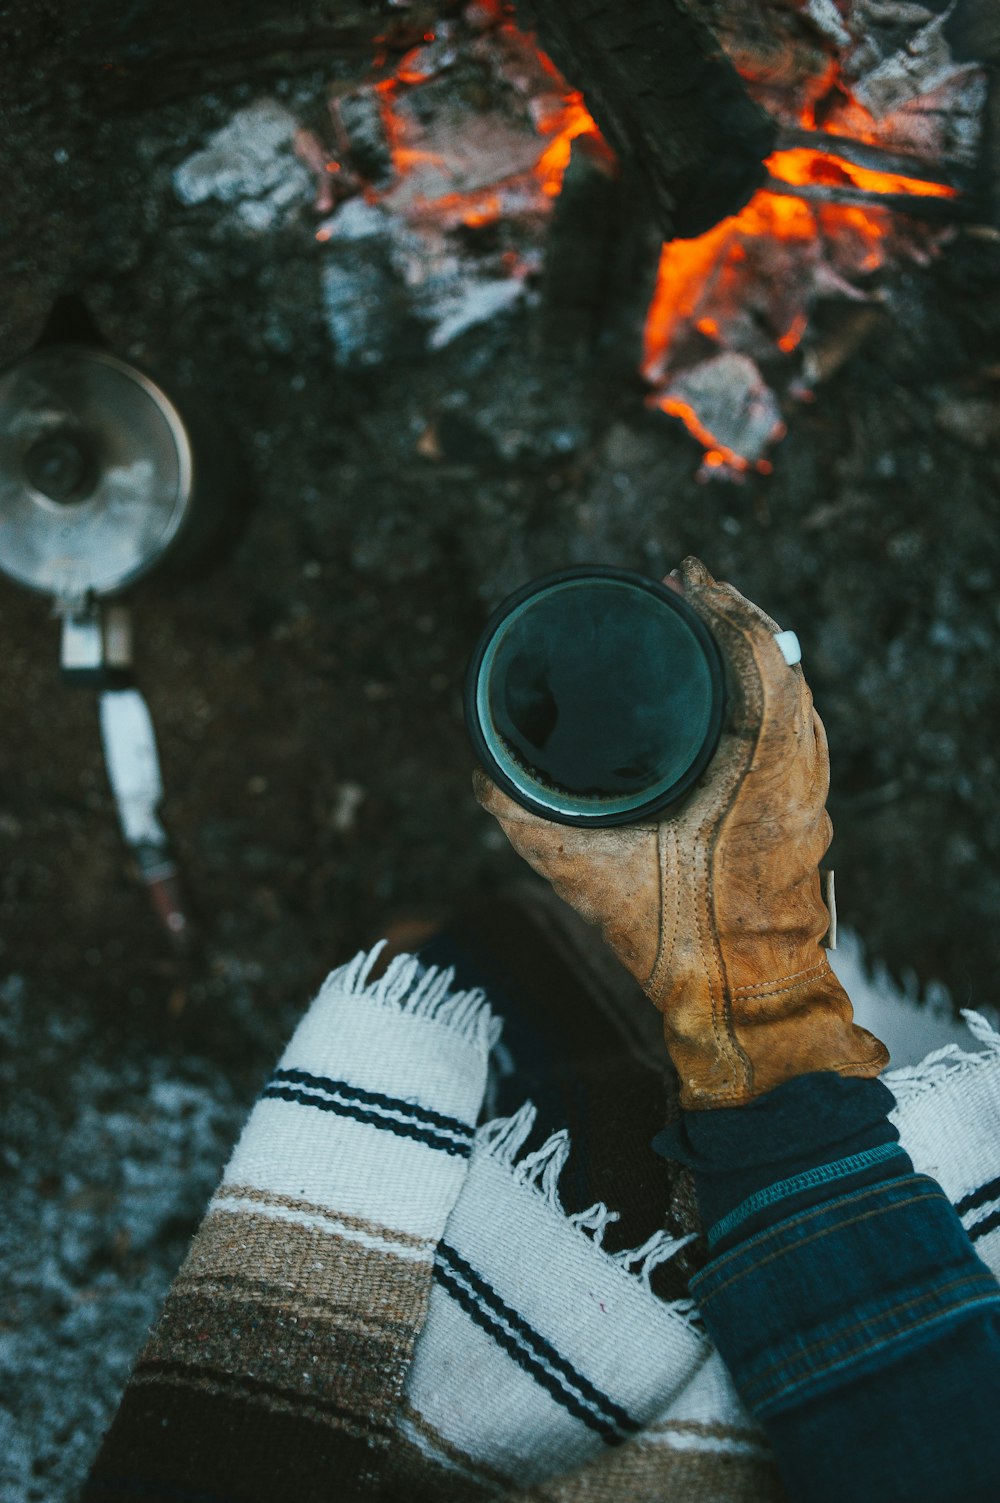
972, 1202
530, 1350
410, 1129
374, 1098
988, 1224
976, 1198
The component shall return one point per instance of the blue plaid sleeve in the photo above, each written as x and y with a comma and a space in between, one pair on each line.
864, 1333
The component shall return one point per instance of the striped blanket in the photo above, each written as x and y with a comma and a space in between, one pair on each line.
387, 1300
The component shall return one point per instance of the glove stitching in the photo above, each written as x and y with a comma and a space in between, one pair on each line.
675, 865
731, 1047
650, 986
778, 991
772, 988
724, 1045
727, 1044
666, 840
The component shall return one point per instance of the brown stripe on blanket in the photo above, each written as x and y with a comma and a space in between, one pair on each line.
309, 1208
411, 1475
169, 1443
360, 1373
298, 1327
644, 1473
303, 1261
716, 1431
265, 1396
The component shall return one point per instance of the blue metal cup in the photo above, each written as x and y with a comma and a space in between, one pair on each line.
595, 697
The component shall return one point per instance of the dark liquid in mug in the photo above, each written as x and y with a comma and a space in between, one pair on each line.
600, 689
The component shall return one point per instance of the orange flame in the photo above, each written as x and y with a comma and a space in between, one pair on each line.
567, 119
404, 158
572, 120
473, 209
699, 280
803, 165
702, 280
486, 211
708, 269
820, 90
408, 70
831, 108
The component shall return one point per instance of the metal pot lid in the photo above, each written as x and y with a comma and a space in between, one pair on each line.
95, 472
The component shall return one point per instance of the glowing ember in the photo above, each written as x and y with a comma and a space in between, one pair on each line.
831, 109
485, 211
726, 405
716, 455
561, 117
804, 165
471, 209
710, 282
564, 126
701, 281
409, 70
792, 335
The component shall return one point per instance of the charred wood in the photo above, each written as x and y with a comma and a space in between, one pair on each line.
601, 258
575, 277
665, 97
973, 29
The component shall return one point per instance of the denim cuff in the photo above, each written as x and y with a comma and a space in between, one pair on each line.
812, 1184
807, 1132
791, 1311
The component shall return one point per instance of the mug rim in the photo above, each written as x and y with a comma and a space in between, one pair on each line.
713, 659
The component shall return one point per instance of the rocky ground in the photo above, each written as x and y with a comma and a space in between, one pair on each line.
306, 690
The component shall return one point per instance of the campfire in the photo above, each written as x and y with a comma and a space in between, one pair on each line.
448, 166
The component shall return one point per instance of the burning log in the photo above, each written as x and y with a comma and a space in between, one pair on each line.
936, 179
878, 120
665, 97
574, 280
727, 405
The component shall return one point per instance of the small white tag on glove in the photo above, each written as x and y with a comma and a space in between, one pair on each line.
791, 647
829, 940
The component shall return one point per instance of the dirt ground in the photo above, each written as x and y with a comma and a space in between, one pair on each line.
306, 691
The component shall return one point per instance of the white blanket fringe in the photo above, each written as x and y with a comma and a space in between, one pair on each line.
418, 991
539, 1171
945, 1063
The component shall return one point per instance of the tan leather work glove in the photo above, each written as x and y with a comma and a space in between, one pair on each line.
716, 910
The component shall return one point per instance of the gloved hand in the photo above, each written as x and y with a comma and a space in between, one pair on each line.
716, 909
